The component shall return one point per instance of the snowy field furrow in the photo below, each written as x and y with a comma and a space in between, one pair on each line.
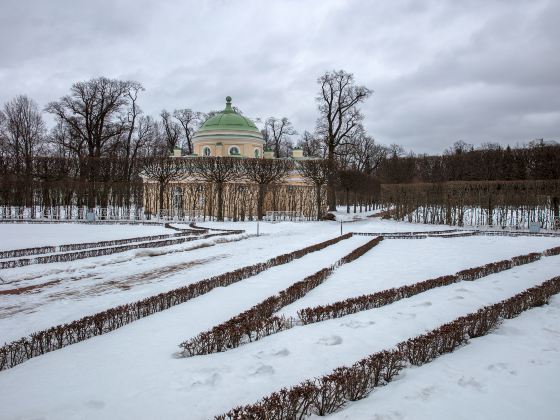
65, 297
147, 381
511, 373
397, 262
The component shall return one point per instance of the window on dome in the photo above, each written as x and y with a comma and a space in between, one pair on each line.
206, 151
234, 150
257, 153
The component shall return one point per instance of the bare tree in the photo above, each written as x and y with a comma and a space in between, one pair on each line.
217, 171
137, 134
366, 155
312, 145
171, 130
277, 132
23, 132
95, 114
164, 170
318, 172
190, 121
264, 172
339, 117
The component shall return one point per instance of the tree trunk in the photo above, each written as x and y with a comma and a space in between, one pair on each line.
331, 187
347, 201
161, 191
260, 200
220, 191
556, 212
319, 204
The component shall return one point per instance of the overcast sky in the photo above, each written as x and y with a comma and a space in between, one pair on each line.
441, 71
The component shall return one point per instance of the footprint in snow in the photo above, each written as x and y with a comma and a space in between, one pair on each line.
404, 315
333, 340
282, 353
470, 383
208, 381
266, 354
354, 324
498, 367
457, 298
264, 370
423, 304
392, 415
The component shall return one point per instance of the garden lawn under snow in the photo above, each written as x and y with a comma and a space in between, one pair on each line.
510, 374
23, 235
135, 371
62, 292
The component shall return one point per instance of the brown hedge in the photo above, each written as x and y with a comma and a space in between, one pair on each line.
258, 321
388, 296
54, 338
330, 393
97, 252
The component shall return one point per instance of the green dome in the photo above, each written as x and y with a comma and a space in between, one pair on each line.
230, 120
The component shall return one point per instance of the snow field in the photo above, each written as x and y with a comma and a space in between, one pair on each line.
146, 381
75, 289
23, 235
398, 262
512, 373
134, 372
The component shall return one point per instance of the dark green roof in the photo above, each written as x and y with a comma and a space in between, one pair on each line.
228, 119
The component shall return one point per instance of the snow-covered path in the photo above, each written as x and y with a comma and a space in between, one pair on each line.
397, 262
132, 373
75, 289
511, 374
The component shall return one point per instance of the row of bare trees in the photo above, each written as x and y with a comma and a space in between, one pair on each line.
495, 203
101, 121
537, 160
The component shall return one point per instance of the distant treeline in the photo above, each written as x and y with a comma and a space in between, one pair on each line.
538, 161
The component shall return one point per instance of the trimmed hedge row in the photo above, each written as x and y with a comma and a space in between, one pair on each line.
103, 322
258, 321
15, 253
97, 252
451, 234
388, 296
194, 226
330, 393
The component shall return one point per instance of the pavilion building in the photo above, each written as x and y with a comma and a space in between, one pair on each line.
229, 134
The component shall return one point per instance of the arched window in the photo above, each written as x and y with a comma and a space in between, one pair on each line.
206, 151
234, 151
257, 153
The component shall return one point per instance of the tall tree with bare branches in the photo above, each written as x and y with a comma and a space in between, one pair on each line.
23, 132
164, 170
190, 122
339, 116
95, 112
217, 171
277, 132
318, 172
264, 172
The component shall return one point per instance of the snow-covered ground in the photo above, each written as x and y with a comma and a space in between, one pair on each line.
397, 262
134, 372
24, 235
510, 374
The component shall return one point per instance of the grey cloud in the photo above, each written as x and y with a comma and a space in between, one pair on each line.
441, 70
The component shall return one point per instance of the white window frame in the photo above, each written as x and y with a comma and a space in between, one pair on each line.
238, 150
204, 148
